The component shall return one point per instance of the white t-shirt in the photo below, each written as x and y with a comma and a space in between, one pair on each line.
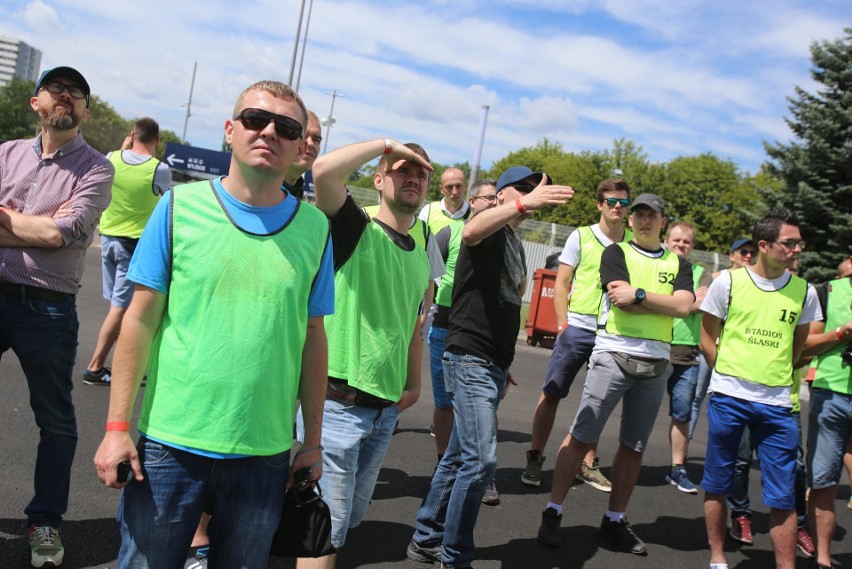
571, 256
427, 209
716, 303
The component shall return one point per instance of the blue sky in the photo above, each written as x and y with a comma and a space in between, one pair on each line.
678, 78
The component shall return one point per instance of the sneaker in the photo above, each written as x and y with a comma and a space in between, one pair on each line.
424, 553
100, 377
469, 567
805, 543
622, 535
849, 503
741, 530
491, 497
593, 476
46, 549
532, 473
678, 477
197, 558
432, 430
548, 531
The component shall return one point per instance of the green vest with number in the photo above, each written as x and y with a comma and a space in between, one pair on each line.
757, 339
133, 198
830, 372
687, 331
586, 288
654, 275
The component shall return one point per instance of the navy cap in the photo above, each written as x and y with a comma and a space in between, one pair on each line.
652, 201
68, 72
516, 174
739, 243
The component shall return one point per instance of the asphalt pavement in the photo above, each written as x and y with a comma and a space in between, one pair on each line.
672, 523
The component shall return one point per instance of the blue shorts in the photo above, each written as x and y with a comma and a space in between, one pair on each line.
443, 399
775, 436
115, 259
829, 431
681, 387
571, 352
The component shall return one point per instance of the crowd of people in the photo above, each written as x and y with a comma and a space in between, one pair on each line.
280, 315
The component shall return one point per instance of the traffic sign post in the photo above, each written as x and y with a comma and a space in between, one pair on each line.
201, 160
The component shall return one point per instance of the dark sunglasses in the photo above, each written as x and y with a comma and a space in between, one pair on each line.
57, 88
744, 252
257, 119
612, 202
791, 243
523, 187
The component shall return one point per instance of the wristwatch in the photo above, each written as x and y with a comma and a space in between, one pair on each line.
640, 296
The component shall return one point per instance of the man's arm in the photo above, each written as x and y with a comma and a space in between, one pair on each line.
676, 305
564, 274
138, 329
313, 382
22, 230
411, 393
820, 341
711, 328
800, 336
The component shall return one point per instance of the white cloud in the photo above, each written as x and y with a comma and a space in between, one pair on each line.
40, 17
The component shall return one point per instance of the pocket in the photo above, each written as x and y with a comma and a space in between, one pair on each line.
277, 461
449, 374
53, 309
153, 452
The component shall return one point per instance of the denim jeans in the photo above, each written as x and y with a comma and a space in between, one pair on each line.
449, 511
356, 440
681, 387
701, 385
437, 335
158, 516
43, 334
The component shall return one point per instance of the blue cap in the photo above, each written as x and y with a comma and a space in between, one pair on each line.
738, 244
68, 72
516, 174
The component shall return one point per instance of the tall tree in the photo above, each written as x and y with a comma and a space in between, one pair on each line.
17, 118
816, 167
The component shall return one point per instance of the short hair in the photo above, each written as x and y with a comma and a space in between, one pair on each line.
474, 190
611, 186
451, 168
312, 115
418, 150
768, 227
683, 225
146, 130
278, 90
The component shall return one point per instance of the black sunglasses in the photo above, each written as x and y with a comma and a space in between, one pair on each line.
523, 187
257, 119
57, 87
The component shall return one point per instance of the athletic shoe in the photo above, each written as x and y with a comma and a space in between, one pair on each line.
432, 430
548, 531
741, 530
424, 553
532, 473
197, 558
622, 535
593, 476
805, 543
101, 377
46, 549
491, 497
678, 477
465, 567
849, 504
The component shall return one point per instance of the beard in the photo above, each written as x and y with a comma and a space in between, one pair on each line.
60, 118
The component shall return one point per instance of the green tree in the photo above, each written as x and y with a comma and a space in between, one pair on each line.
166, 136
17, 118
815, 169
105, 129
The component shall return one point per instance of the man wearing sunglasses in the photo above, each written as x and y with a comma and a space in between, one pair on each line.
760, 316
579, 272
479, 349
233, 278
52, 191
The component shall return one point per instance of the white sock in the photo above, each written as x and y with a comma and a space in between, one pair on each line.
718, 566
614, 516
557, 507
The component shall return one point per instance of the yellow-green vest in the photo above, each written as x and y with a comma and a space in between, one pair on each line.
438, 220
419, 231
586, 291
830, 372
133, 198
687, 331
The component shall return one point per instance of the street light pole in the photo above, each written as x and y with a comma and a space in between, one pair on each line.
188, 104
474, 172
304, 44
329, 120
296, 45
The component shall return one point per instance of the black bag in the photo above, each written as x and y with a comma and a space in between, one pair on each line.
305, 528
641, 368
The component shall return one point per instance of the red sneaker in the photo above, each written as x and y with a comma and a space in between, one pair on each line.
741, 530
805, 543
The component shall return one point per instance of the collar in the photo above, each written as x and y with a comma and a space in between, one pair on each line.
69, 147
462, 212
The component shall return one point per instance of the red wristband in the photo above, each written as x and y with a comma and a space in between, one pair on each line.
118, 426
519, 205
839, 333
388, 147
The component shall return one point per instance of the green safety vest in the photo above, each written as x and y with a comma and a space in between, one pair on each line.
437, 219
586, 291
419, 231
757, 339
654, 275
830, 372
133, 198
444, 296
687, 331
225, 364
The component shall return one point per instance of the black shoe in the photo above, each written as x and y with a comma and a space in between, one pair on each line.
100, 377
424, 553
548, 531
622, 534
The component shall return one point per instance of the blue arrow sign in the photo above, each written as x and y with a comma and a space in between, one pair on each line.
191, 158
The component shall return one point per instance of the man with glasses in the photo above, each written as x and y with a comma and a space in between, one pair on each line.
760, 316
579, 272
52, 191
479, 348
233, 278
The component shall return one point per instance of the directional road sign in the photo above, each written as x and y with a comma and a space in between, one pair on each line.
193, 159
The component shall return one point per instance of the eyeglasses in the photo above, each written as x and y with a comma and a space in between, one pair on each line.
745, 252
57, 88
612, 202
791, 243
523, 187
257, 119
488, 198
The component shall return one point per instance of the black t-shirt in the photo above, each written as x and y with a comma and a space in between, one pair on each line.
348, 225
485, 315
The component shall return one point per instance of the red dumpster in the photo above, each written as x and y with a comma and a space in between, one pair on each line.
541, 321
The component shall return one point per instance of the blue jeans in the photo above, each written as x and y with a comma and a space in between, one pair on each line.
43, 334
158, 516
681, 387
701, 385
437, 336
356, 440
449, 511
829, 431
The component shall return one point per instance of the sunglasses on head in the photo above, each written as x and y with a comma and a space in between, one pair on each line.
612, 202
257, 119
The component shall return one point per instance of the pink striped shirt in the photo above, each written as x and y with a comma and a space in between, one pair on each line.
77, 174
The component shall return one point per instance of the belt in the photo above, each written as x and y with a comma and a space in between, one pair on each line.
27, 291
339, 390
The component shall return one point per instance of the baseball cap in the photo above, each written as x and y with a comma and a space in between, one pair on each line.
516, 174
739, 243
69, 72
652, 201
